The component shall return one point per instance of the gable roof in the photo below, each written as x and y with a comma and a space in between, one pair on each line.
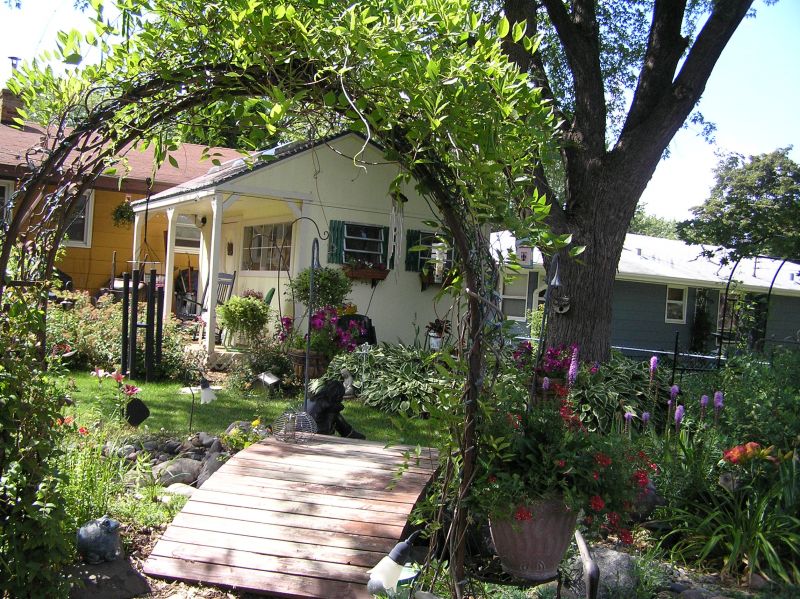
242, 166
669, 261
15, 142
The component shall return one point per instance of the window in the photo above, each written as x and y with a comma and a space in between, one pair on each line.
436, 258
267, 247
187, 234
6, 189
364, 243
79, 230
514, 296
676, 305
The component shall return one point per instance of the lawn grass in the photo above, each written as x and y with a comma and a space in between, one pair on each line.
170, 411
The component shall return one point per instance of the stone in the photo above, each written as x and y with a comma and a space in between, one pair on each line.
758, 582
185, 446
242, 425
163, 457
108, 580
126, 450
172, 446
180, 470
211, 463
205, 439
179, 489
150, 445
678, 587
216, 446
694, 594
618, 576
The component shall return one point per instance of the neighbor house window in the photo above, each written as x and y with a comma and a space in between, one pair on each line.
514, 296
6, 189
267, 247
425, 251
354, 242
676, 305
79, 230
187, 234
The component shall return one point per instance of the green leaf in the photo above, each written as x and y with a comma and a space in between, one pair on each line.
503, 28
172, 160
73, 58
519, 31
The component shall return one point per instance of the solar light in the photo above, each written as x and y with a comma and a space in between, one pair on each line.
385, 575
207, 394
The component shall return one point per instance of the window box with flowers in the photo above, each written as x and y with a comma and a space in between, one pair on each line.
539, 466
365, 271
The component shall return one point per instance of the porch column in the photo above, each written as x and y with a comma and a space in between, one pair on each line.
138, 229
169, 264
214, 262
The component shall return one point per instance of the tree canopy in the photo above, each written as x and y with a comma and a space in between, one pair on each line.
654, 226
754, 208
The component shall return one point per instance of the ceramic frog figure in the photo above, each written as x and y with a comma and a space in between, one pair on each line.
98, 541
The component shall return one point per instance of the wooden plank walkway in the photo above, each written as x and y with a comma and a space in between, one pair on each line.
294, 520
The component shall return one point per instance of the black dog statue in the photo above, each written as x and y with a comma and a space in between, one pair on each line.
325, 407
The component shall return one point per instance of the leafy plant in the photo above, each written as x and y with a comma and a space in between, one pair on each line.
247, 316
328, 337
331, 286
392, 378
122, 215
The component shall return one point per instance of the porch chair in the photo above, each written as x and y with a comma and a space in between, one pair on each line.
187, 309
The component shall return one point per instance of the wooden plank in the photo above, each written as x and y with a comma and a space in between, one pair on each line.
259, 561
288, 506
254, 581
202, 522
297, 548
232, 483
301, 522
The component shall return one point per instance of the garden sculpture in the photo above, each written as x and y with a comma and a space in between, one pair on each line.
325, 407
98, 541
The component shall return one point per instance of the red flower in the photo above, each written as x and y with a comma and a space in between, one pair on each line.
492, 479
602, 459
596, 503
523, 514
596, 475
613, 519
625, 536
82, 430
561, 463
641, 479
514, 420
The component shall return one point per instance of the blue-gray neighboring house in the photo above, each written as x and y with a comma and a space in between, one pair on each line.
664, 287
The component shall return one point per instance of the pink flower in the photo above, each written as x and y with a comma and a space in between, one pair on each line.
653, 366
82, 431
130, 390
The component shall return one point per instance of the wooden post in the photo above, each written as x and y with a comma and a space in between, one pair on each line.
134, 325
149, 333
160, 295
126, 289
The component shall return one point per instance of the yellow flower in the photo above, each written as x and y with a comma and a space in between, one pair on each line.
234, 432
256, 423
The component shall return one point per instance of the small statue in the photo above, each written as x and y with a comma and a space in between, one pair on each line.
349, 388
98, 541
325, 407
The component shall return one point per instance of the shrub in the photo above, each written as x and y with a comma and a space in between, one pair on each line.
392, 378
247, 316
331, 287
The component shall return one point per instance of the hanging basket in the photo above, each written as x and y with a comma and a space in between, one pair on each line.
532, 549
317, 363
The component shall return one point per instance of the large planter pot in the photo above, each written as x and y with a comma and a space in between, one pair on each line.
532, 549
317, 363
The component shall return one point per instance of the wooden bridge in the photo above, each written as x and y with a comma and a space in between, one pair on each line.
295, 520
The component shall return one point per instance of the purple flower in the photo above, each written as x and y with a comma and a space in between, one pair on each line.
595, 367
628, 416
545, 384
573, 367
703, 401
679, 412
718, 400
645, 417
669, 405
673, 391
317, 322
653, 365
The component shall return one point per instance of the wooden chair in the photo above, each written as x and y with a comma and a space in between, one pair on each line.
188, 309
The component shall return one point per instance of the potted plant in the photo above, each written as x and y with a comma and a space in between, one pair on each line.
538, 468
436, 330
327, 340
244, 316
365, 270
331, 287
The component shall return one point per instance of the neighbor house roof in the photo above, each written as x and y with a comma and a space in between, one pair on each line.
15, 142
669, 261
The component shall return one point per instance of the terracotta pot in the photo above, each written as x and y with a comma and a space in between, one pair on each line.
532, 549
317, 363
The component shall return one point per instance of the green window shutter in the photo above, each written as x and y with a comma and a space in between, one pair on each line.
413, 239
336, 242
386, 248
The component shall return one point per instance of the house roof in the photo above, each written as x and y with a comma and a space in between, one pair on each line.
241, 166
15, 142
669, 261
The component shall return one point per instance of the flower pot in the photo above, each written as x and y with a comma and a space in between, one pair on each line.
317, 363
368, 274
532, 549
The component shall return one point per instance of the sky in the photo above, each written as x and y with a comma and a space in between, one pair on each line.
751, 95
